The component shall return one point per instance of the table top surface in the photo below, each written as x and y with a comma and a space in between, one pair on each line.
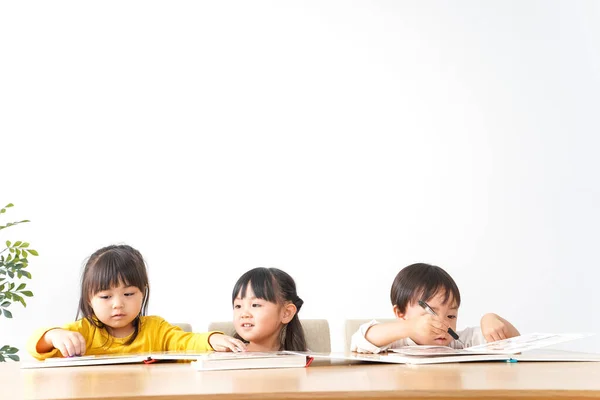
323, 380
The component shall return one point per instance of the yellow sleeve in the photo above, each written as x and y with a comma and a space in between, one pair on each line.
38, 334
168, 337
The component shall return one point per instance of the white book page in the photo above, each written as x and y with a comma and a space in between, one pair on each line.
132, 356
429, 351
246, 355
394, 357
514, 345
526, 342
86, 360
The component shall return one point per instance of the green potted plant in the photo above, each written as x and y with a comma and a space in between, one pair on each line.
12, 274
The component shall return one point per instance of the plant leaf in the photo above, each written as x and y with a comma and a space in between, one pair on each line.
18, 243
32, 252
13, 357
27, 293
7, 313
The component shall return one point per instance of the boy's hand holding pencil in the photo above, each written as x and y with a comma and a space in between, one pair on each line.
427, 327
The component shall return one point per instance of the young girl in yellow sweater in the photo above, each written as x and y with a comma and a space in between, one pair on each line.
113, 305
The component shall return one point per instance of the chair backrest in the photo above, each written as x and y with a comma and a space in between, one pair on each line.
222, 326
318, 336
352, 325
316, 332
184, 327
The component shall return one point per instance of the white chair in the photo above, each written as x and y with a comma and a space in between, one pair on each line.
316, 332
184, 327
351, 326
222, 326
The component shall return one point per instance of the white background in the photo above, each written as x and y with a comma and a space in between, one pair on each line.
339, 141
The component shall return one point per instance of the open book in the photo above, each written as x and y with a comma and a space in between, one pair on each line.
515, 345
133, 358
251, 360
520, 348
200, 361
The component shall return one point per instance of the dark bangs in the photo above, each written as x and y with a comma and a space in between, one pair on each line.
112, 269
422, 282
262, 282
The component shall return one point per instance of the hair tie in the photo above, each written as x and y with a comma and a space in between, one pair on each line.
298, 303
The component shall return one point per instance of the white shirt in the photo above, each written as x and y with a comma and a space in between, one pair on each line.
471, 336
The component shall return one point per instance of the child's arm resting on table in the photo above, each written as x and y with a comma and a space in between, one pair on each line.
374, 337
172, 338
221, 342
69, 343
361, 344
423, 325
494, 328
54, 342
385, 333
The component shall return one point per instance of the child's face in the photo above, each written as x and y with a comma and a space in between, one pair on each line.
447, 312
258, 321
117, 308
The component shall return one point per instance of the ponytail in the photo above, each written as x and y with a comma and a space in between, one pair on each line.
293, 333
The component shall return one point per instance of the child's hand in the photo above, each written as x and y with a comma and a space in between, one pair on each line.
425, 328
69, 343
221, 342
495, 328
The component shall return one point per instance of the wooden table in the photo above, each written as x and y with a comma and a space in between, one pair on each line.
490, 380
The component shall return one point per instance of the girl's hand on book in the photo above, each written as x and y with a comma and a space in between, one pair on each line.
69, 343
221, 342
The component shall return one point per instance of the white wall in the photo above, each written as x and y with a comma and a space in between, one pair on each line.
339, 141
